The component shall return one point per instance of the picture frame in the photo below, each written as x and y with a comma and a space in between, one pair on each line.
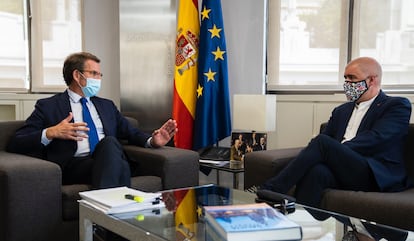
249, 141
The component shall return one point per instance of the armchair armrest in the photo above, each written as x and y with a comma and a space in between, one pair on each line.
259, 166
30, 199
176, 167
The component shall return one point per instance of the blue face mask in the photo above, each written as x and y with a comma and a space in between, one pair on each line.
92, 87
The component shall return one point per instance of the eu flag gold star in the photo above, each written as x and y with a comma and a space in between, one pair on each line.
218, 54
210, 75
204, 13
215, 32
199, 91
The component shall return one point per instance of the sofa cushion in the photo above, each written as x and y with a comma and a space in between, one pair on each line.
259, 166
147, 183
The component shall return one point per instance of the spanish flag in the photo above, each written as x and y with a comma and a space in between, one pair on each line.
186, 215
185, 76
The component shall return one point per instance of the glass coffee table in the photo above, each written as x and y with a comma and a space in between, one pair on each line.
181, 218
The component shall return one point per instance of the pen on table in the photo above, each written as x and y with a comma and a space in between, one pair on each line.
135, 198
156, 201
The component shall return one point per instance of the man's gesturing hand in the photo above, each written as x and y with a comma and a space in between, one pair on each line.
68, 130
164, 134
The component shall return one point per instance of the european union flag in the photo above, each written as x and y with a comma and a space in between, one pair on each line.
212, 118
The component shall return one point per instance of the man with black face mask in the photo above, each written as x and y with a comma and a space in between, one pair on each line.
361, 148
79, 131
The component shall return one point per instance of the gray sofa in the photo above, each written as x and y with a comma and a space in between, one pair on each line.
34, 206
395, 209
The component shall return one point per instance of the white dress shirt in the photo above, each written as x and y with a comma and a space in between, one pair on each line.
76, 106
358, 113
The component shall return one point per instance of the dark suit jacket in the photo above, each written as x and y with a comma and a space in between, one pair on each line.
235, 154
50, 111
380, 137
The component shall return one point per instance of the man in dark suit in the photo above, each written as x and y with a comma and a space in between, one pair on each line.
58, 132
360, 149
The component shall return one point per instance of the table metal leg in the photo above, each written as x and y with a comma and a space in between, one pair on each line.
85, 228
236, 180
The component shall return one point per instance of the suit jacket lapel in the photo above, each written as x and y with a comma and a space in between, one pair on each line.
345, 115
64, 104
372, 111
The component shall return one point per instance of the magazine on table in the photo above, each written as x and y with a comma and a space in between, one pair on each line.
253, 222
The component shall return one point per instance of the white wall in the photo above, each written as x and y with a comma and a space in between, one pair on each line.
101, 37
298, 117
17, 106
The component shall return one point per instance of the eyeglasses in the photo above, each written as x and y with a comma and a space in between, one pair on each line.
94, 73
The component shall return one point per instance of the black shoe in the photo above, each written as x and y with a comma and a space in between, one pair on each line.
253, 189
284, 203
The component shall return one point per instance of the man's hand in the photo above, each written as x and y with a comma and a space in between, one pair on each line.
164, 134
67, 130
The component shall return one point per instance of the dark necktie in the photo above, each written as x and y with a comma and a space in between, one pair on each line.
93, 134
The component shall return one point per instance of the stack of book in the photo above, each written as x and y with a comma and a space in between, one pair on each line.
121, 200
251, 222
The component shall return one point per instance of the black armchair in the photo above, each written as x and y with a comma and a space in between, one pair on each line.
35, 206
394, 209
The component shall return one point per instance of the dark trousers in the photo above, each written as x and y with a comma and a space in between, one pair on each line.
324, 163
106, 167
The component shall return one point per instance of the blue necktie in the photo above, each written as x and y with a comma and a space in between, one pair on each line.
93, 134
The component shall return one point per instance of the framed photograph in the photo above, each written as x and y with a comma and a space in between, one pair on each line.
244, 142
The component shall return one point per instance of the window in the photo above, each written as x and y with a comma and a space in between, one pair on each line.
13, 42
387, 34
51, 33
310, 42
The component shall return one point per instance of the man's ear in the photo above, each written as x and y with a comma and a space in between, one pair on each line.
76, 74
373, 81
370, 81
